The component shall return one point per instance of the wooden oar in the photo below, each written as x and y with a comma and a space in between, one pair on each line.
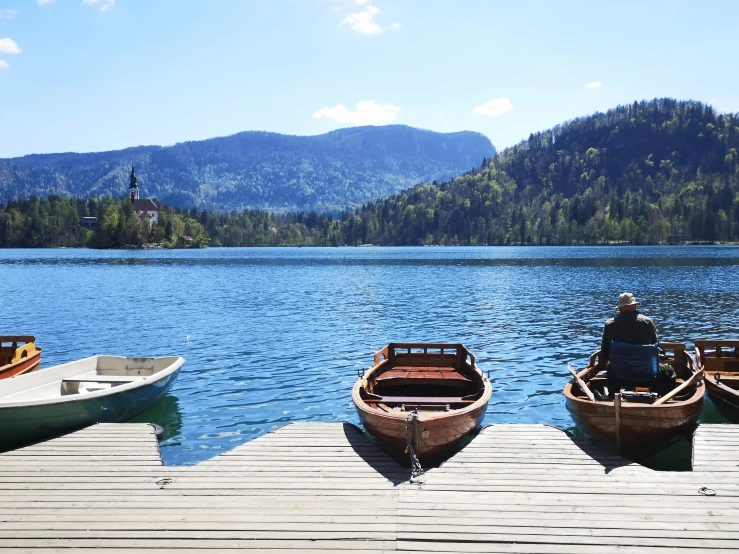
581, 384
674, 392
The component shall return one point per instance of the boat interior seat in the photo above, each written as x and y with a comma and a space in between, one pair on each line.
721, 364
420, 400
92, 387
421, 375
103, 379
91, 383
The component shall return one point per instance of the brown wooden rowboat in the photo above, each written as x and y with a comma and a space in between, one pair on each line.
643, 428
439, 381
720, 361
17, 359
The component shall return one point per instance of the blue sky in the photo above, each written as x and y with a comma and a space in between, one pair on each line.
91, 75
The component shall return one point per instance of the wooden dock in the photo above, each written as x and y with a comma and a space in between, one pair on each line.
716, 448
322, 487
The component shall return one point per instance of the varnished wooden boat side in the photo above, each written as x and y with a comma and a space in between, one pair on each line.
721, 368
643, 428
437, 432
17, 359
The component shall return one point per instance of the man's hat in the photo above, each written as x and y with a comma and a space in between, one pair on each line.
626, 299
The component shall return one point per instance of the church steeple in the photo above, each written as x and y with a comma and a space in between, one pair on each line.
133, 188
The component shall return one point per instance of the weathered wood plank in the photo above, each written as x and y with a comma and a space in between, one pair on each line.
201, 544
316, 487
538, 548
716, 448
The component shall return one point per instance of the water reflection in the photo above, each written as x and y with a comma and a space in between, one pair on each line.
166, 414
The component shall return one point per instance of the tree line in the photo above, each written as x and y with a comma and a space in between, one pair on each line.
639, 174
58, 222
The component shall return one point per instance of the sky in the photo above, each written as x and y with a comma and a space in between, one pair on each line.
95, 75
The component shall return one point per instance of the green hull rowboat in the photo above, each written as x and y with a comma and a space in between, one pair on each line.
100, 389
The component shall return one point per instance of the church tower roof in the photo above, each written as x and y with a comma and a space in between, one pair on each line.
133, 184
133, 188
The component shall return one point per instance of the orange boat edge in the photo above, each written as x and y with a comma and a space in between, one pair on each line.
18, 355
432, 395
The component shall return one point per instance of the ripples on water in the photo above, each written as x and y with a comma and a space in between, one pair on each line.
277, 335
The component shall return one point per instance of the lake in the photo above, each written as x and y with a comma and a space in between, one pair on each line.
275, 335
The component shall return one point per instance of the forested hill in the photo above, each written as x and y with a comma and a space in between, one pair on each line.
342, 168
637, 173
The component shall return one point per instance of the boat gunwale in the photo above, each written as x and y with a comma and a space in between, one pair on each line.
146, 380
698, 394
7, 370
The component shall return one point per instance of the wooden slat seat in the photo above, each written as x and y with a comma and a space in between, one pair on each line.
414, 400
421, 372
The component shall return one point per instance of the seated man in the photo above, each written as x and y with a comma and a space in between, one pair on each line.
638, 365
628, 326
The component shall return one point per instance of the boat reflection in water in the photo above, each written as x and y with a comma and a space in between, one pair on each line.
165, 413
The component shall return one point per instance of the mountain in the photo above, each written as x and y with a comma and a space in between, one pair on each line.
342, 168
638, 173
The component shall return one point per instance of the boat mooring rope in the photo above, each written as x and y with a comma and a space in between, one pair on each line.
416, 469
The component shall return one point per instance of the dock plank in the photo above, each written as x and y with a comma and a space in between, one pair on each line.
322, 487
531, 488
716, 448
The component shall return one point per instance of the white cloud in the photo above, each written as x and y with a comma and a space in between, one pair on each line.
594, 84
44, 2
4, 64
495, 107
102, 5
368, 112
363, 22
8, 14
8, 46
396, 26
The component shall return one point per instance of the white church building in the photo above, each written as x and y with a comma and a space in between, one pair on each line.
146, 209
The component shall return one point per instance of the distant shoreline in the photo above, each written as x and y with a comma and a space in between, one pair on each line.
380, 246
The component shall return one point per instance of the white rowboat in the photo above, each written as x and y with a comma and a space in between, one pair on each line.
99, 389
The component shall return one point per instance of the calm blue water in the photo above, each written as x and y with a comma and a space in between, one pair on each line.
277, 335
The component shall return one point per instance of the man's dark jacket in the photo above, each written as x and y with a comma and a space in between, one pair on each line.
629, 327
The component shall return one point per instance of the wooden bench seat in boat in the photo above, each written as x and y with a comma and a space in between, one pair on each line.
415, 400
406, 375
